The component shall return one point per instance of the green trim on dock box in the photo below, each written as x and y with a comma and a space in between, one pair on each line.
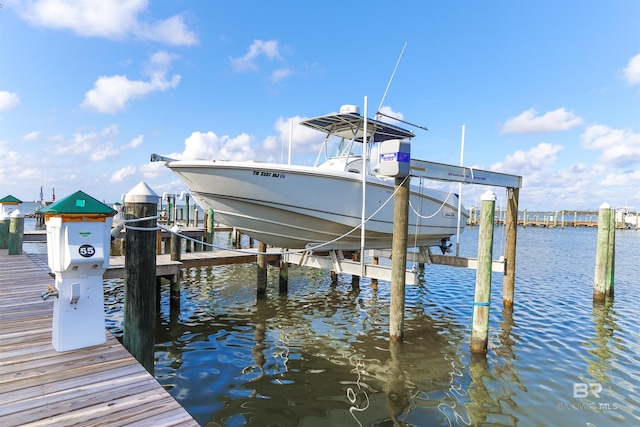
78, 203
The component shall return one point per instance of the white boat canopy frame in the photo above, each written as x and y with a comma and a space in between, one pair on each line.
344, 124
350, 127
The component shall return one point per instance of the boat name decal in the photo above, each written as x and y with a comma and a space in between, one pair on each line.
271, 174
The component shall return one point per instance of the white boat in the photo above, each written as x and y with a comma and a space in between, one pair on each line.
320, 206
626, 217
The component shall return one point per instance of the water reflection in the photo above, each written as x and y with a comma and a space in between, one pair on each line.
396, 392
320, 355
605, 326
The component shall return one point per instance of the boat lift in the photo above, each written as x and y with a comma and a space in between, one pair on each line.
335, 261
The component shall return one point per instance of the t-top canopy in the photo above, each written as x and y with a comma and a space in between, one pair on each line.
78, 203
350, 124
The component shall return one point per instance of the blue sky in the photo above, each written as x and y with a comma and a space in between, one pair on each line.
549, 90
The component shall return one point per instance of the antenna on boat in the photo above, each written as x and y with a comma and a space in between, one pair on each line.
378, 113
401, 121
391, 79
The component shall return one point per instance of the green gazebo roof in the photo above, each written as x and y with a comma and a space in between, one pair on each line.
78, 203
10, 199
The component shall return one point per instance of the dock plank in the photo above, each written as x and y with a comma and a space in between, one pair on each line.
101, 385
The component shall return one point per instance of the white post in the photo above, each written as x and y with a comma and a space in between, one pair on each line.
365, 150
460, 195
290, 140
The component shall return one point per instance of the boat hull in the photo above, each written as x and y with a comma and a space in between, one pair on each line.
299, 207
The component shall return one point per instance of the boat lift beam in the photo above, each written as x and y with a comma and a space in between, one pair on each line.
464, 174
425, 256
336, 262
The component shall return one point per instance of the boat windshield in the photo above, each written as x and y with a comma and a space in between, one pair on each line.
346, 148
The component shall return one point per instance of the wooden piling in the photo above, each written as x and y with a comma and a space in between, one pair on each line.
176, 255
262, 270
283, 276
509, 279
611, 259
355, 279
176, 243
603, 277
187, 243
140, 275
482, 298
158, 242
399, 258
210, 226
16, 233
4, 232
374, 282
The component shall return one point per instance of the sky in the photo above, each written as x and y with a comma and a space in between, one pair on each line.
548, 90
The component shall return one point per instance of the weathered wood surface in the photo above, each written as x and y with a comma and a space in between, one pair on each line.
166, 267
100, 385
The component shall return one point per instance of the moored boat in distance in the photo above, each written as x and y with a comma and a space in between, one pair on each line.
320, 206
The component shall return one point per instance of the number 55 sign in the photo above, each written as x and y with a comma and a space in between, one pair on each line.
87, 251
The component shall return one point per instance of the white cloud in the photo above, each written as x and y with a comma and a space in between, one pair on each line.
99, 146
619, 147
530, 122
135, 142
304, 140
624, 179
32, 136
151, 170
210, 146
258, 48
172, 31
632, 70
253, 61
112, 94
122, 174
540, 157
280, 74
8, 100
110, 19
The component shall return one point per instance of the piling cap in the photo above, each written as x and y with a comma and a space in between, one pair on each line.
10, 200
78, 203
605, 205
489, 196
141, 193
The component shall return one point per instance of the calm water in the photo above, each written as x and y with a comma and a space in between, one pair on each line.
320, 355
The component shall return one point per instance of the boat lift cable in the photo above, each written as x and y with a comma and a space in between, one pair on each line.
418, 216
436, 212
297, 251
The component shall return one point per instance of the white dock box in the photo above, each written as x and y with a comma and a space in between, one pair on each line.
395, 158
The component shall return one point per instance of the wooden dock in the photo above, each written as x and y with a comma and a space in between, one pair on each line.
101, 385
167, 268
